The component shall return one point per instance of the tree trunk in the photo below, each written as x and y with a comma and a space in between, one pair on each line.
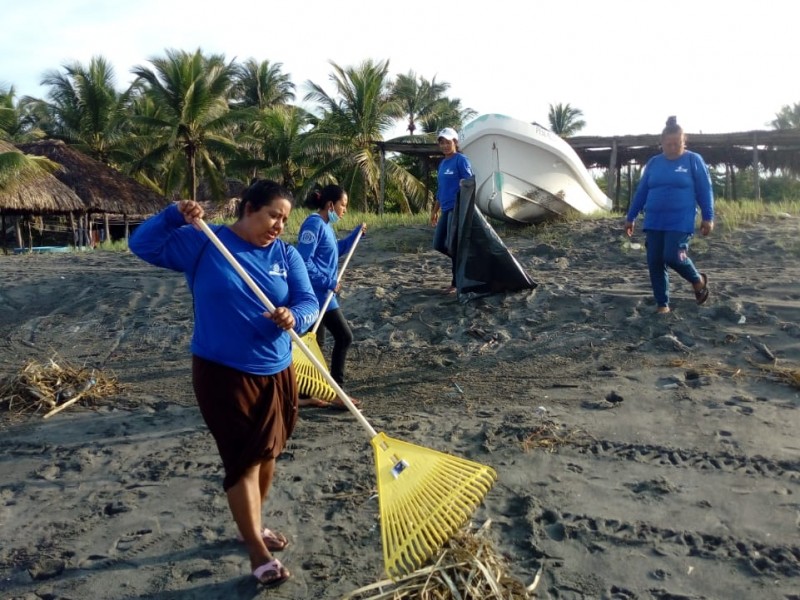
192, 174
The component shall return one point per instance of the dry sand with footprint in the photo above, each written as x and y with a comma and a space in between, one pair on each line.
639, 455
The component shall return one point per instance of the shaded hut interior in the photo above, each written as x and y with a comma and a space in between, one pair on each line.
24, 205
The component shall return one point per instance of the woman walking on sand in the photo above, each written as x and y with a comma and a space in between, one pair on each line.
319, 248
242, 370
674, 184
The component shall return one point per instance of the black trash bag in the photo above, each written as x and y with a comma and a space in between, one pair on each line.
483, 263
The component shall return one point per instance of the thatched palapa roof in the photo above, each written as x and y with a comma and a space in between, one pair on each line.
103, 189
772, 149
43, 194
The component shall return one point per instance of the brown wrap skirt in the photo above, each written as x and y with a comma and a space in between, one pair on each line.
250, 416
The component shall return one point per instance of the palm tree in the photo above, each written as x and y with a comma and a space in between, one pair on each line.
565, 120
16, 122
417, 97
274, 143
787, 118
261, 85
190, 118
84, 108
344, 140
447, 112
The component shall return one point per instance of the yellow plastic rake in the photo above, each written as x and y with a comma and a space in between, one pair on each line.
425, 496
309, 379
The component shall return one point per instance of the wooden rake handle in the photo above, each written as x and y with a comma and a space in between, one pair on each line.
295, 338
324, 307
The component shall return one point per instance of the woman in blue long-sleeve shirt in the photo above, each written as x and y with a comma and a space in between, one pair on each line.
674, 184
454, 167
242, 370
320, 249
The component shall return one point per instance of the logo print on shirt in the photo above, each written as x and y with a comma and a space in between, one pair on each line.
308, 237
277, 270
680, 169
449, 171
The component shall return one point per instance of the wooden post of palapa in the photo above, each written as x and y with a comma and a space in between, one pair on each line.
756, 182
383, 181
611, 192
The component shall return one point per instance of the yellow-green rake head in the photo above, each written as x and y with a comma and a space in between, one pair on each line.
309, 379
425, 497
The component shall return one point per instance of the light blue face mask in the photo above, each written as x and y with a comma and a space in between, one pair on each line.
332, 217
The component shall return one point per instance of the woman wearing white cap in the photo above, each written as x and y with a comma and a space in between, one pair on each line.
453, 168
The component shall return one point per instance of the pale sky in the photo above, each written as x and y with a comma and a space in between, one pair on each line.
718, 65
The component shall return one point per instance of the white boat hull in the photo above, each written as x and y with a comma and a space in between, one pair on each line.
525, 173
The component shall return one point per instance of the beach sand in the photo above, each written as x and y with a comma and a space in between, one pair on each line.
686, 488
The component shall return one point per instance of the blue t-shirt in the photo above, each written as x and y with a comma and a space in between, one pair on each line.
451, 171
670, 192
230, 327
320, 250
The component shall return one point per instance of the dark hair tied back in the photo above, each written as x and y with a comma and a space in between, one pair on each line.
672, 127
318, 198
262, 192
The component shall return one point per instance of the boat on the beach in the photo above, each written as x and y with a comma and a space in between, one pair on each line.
525, 173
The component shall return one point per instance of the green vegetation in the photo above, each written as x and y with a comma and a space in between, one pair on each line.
192, 121
113, 246
733, 215
565, 120
730, 216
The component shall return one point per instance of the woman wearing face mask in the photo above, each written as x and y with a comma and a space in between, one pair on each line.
319, 248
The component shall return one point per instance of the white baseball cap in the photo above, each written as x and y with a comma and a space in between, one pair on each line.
448, 133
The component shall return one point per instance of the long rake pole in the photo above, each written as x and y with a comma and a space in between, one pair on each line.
338, 280
295, 338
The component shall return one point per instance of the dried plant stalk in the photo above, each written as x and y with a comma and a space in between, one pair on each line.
789, 375
52, 386
467, 568
549, 435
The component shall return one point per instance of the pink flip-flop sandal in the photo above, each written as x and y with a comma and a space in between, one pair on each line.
274, 541
272, 573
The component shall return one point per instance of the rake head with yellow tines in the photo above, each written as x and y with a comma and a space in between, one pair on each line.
309, 379
425, 496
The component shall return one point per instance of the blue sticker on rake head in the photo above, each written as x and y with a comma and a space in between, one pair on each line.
398, 468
